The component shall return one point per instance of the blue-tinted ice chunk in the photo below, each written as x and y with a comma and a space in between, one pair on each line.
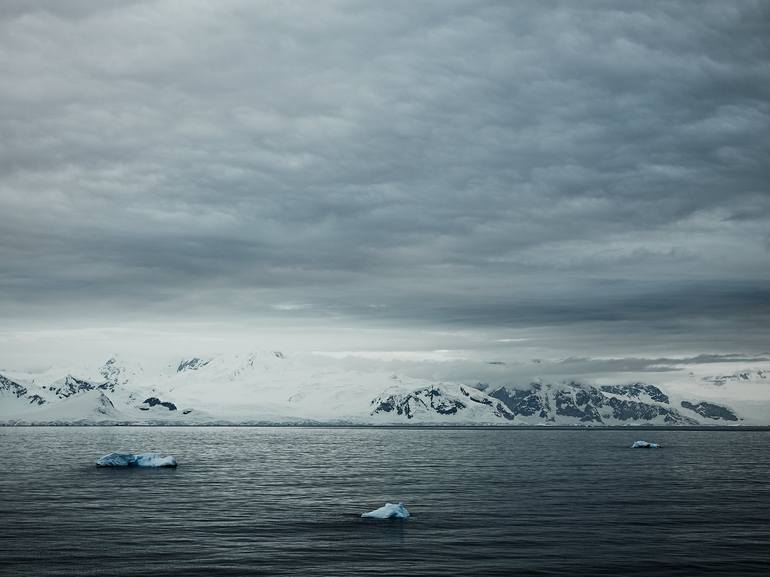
154, 460
388, 511
131, 460
644, 445
116, 460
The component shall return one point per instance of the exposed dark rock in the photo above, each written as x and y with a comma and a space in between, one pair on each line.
104, 405
636, 390
111, 371
191, 365
577, 405
386, 406
442, 405
73, 386
436, 400
155, 401
626, 410
591, 404
427, 398
711, 410
19, 391
475, 398
12, 387
502, 411
524, 402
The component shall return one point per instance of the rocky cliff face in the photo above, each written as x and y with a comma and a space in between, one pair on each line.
569, 403
72, 385
18, 391
711, 411
428, 403
607, 404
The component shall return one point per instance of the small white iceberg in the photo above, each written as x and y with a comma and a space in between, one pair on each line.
388, 511
644, 445
130, 460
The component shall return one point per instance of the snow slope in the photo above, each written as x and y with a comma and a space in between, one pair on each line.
273, 387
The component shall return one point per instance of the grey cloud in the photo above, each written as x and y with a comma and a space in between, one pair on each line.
465, 163
518, 373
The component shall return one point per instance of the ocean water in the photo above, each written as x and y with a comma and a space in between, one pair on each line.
287, 501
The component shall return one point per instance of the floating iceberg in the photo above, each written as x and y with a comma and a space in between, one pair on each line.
388, 511
116, 460
644, 445
142, 460
154, 460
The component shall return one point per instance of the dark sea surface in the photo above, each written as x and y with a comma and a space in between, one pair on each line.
287, 501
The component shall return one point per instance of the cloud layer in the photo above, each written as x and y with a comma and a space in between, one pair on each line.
462, 164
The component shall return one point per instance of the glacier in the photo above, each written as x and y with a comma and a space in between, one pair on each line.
148, 460
388, 511
271, 387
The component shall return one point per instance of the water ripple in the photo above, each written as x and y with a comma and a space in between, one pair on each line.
287, 501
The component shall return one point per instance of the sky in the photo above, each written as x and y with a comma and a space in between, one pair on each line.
519, 179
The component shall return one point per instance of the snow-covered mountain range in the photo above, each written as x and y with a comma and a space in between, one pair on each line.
272, 387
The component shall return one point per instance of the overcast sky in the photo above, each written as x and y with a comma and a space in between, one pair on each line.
414, 175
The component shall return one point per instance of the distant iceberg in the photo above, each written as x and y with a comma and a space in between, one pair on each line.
388, 511
644, 445
130, 460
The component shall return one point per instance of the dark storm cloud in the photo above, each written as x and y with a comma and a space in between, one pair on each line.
473, 163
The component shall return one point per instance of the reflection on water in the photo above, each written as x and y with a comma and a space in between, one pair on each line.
287, 501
